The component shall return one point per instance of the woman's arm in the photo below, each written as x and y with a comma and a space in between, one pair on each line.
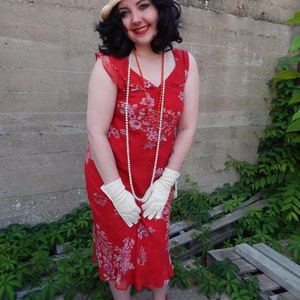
102, 92
188, 120
101, 106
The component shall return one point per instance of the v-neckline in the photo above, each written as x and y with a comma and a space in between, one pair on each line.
151, 83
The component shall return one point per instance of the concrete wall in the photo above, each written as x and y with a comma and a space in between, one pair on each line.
46, 55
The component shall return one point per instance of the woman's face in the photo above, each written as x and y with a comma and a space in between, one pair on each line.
139, 18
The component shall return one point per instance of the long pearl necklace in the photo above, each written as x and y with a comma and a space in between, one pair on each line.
162, 98
154, 115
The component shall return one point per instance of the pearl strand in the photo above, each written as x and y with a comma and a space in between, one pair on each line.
159, 129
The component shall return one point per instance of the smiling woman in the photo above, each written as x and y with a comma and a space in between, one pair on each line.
113, 32
140, 21
141, 118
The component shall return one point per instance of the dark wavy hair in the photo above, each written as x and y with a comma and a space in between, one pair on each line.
115, 41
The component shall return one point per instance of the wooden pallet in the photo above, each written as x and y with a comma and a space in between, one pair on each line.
278, 276
183, 234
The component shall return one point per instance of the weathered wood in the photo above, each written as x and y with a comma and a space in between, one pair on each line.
244, 266
276, 272
189, 264
196, 246
266, 283
278, 258
228, 219
182, 239
177, 227
221, 254
269, 287
283, 296
218, 210
234, 216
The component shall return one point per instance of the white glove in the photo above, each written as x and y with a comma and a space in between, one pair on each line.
123, 201
158, 193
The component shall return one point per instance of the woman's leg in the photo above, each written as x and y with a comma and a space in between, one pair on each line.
159, 293
119, 294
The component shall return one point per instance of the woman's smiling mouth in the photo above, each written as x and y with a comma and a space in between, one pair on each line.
141, 30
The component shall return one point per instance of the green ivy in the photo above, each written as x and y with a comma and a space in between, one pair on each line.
29, 261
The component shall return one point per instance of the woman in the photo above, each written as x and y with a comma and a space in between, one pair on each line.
141, 118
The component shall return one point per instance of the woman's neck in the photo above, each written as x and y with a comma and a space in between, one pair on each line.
145, 51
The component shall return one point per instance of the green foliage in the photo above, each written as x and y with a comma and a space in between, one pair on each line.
230, 204
294, 247
29, 261
191, 205
294, 127
181, 277
218, 278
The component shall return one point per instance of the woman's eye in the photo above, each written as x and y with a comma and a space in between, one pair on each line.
144, 5
123, 13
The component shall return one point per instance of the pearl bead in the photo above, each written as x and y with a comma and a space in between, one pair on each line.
163, 84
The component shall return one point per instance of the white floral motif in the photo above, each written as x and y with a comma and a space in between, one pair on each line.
148, 101
103, 246
142, 257
122, 259
142, 231
147, 84
159, 172
109, 269
113, 131
135, 124
103, 252
152, 134
100, 199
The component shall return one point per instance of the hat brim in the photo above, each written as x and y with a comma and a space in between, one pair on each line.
106, 10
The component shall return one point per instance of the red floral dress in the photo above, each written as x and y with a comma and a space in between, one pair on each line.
136, 255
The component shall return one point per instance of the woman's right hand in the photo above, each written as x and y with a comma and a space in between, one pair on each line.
123, 201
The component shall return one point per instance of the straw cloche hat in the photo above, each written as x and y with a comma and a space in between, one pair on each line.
106, 10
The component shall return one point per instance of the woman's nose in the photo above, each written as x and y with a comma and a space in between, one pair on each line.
136, 17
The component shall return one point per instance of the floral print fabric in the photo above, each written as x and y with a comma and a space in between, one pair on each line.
136, 255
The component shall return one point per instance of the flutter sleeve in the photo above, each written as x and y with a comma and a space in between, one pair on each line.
114, 68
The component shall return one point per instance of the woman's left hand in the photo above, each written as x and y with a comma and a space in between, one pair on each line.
158, 193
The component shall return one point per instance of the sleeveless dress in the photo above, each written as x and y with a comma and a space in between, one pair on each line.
136, 255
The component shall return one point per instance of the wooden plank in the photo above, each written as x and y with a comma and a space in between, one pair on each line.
251, 200
182, 239
244, 266
218, 210
234, 216
276, 272
177, 227
195, 246
221, 254
189, 264
189, 235
278, 258
183, 225
283, 296
266, 283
